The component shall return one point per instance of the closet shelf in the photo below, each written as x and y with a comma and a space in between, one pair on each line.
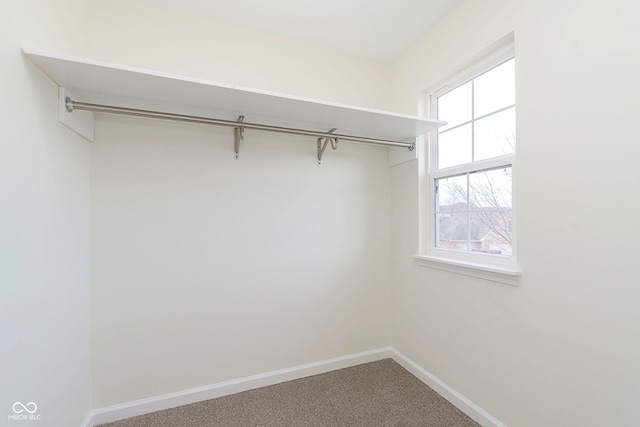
89, 82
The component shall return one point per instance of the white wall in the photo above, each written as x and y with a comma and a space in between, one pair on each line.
44, 225
137, 34
206, 268
563, 348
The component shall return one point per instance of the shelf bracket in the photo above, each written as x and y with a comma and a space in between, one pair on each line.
322, 146
238, 135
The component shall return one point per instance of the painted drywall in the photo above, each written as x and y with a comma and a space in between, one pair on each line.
137, 34
206, 268
562, 349
44, 228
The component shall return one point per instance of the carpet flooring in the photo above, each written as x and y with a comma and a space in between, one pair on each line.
373, 394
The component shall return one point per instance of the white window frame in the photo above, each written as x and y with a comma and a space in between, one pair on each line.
498, 268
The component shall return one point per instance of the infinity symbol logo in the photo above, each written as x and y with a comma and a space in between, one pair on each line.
22, 407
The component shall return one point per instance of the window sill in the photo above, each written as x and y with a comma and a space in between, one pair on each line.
504, 275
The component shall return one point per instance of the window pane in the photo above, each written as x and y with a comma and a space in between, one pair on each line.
495, 89
453, 231
495, 135
452, 193
490, 232
454, 147
490, 189
455, 107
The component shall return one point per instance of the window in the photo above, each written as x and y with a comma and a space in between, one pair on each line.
470, 166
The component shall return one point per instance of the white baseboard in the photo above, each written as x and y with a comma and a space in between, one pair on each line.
88, 421
465, 405
171, 400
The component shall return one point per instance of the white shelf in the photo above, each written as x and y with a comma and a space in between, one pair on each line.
112, 84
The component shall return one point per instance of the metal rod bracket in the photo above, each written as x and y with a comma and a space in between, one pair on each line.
68, 104
238, 135
80, 122
322, 146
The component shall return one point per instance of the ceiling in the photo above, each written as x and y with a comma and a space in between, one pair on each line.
374, 29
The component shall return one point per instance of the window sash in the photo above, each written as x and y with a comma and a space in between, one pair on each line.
470, 217
500, 110
434, 173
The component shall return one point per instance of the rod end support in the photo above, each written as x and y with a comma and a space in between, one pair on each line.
412, 146
68, 104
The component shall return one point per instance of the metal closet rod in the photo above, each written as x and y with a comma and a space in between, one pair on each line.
108, 109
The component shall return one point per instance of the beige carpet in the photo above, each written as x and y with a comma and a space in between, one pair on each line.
373, 394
